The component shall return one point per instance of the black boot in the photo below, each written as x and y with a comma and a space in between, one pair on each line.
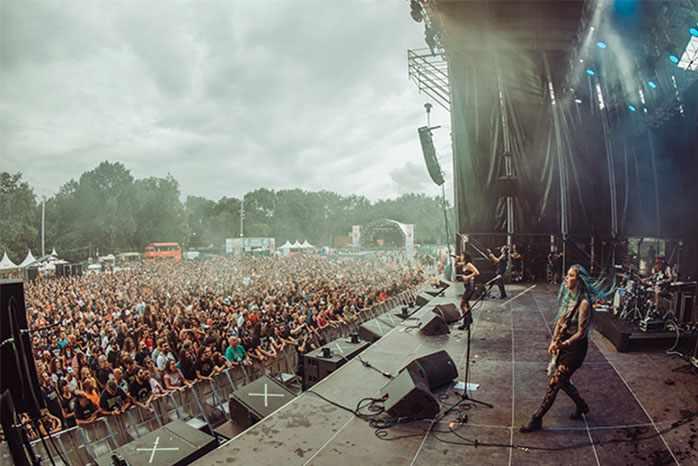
581, 410
535, 424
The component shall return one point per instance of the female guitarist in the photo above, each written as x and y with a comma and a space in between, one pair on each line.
569, 343
470, 273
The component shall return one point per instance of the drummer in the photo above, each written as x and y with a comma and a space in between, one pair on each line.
660, 278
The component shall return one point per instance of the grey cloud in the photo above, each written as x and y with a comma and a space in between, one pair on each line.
226, 96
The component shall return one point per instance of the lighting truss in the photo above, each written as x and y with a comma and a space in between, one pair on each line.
429, 71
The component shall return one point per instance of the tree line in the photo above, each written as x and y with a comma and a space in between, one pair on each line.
107, 210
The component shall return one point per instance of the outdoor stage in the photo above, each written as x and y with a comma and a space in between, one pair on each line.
632, 396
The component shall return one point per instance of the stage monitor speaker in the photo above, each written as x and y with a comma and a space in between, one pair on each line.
373, 330
436, 325
429, 152
449, 312
17, 366
438, 369
408, 395
423, 299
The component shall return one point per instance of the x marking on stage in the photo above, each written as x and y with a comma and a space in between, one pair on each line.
155, 448
266, 395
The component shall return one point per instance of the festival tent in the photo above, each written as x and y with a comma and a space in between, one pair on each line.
29, 260
6, 263
296, 245
286, 245
307, 245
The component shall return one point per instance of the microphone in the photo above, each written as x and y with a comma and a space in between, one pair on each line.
497, 277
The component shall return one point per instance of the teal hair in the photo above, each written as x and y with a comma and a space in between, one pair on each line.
593, 290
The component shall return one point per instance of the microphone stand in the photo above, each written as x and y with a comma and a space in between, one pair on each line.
488, 286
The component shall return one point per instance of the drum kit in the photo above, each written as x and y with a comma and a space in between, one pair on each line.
642, 300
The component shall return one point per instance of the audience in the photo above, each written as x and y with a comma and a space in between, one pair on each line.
127, 337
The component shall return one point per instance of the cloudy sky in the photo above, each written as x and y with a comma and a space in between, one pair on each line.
227, 96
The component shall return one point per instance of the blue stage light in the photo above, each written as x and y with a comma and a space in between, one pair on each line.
590, 72
632, 108
694, 32
652, 84
674, 59
601, 44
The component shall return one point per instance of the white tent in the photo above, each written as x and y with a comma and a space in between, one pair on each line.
6, 263
54, 253
29, 260
307, 245
286, 245
296, 245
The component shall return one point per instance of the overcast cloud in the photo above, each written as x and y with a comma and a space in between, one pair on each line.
227, 96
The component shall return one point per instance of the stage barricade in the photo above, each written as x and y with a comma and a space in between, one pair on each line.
117, 425
141, 421
69, 443
98, 437
239, 375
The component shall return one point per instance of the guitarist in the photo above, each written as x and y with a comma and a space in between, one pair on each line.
501, 262
568, 346
470, 273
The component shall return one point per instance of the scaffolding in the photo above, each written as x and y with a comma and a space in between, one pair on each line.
429, 71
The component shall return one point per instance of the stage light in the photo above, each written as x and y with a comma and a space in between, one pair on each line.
416, 11
652, 84
674, 59
632, 108
601, 44
694, 32
579, 101
590, 72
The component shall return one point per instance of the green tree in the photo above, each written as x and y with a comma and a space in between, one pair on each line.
19, 216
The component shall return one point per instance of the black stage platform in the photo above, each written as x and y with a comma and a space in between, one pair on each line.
627, 336
174, 444
632, 396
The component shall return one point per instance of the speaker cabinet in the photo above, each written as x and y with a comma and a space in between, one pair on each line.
17, 366
408, 395
62, 270
448, 312
438, 369
374, 329
423, 299
436, 325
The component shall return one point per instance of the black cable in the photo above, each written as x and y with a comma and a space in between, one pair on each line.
38, 425
370, 366
53, 443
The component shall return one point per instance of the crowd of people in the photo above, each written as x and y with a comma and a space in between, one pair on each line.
118, 339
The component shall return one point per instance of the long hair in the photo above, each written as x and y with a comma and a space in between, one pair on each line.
587, 288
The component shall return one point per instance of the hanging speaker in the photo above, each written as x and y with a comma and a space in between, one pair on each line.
438, 369
408, 395
436, 325
430, 155
448, 312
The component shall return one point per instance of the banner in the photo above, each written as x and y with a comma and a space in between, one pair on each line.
355, 236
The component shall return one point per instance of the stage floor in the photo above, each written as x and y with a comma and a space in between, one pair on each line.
633, 396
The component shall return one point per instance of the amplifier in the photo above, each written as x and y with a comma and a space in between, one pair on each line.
318, 364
